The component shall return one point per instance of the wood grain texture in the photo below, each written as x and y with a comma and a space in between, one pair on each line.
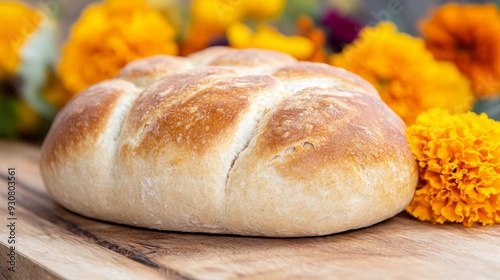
54, 243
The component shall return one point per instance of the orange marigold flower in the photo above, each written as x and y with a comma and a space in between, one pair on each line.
17, 23
469, 36
109, 35
409, 79
459, 166
306, 28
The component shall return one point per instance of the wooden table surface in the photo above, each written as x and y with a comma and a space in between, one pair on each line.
53, 243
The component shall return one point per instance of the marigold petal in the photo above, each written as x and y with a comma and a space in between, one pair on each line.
18, 23
109, 35
265, 37
379, 54
459, 174
469, 36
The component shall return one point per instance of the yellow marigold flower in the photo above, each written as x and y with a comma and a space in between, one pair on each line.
469, 36
17, 23
263, 9
241, 36
216, 15
219, 14
459, 166
27, 54
211, 18
405, 73
109, 35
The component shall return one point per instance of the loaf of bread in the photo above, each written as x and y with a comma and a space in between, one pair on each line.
247, 142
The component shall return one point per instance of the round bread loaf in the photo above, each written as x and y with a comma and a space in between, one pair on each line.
247, 142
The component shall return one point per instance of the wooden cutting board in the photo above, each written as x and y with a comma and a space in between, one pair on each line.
53, 243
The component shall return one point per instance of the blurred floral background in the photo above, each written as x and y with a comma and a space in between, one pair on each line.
435, 63
418, 54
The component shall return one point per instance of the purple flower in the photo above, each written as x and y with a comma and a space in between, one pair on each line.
340, 29
218, 41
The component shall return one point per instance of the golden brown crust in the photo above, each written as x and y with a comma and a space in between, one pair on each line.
247, 142
163, 111
143, 72
253, 58
83, 119
339, 78
204, 57
316, 128
195, 121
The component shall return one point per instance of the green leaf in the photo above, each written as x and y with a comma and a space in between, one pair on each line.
9, 120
